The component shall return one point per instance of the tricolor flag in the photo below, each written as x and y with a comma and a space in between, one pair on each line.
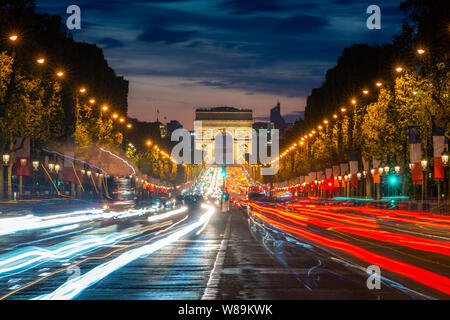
344, 168
68, 169
415, 154
336, 170
438, 149
328, 172
353, 163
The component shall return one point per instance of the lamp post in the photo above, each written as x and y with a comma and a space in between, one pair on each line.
35, 164
358, 175
445, 162
424, 164
5, 162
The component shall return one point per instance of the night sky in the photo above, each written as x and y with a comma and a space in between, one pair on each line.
182, 54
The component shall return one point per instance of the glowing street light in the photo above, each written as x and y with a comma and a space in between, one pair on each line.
60, 74
335, 116
378, 84
353, 101
399, 69
6, 158
13, 37
343, 109
325, 121
40, 60
91, 101
420, 51
424, 164
115, 115
104, 107
129, 126
444, 157
35, 165
122, 120
365, 91
82, 90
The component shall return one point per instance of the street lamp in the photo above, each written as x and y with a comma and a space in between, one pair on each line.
386, 169
378, 84
83, 90
444, 157
60, 74
399, 69
35, 165
445, 162
420, 51
6, 158
13, 37
57, 167
51, 166
365, 91
40, 60
380, 170
424, 164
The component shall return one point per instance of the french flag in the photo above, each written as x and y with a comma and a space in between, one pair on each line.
353, 163
439, 143
415, 154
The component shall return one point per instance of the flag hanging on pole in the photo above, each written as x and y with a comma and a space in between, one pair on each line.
438, 149
336, 170
353, 163
415, 154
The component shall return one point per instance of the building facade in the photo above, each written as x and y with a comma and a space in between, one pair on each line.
224, 134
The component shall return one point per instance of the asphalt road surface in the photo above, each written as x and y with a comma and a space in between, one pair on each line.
137, 253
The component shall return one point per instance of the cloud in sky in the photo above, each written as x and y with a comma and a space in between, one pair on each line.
181, 54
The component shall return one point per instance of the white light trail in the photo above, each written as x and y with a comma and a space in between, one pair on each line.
74, 287
31, 222
29, 257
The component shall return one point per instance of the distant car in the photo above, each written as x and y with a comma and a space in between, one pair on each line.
193, 201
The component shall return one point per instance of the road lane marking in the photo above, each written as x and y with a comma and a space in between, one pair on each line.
212, 287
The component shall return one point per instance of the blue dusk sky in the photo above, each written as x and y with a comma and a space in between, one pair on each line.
183, 54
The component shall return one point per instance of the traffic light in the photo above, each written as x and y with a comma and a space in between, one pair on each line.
225, 196
224, 172
393, 179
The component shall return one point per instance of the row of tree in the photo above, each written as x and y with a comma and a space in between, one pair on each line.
42, 100
375, 124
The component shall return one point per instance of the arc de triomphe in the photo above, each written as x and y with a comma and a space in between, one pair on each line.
235, 124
